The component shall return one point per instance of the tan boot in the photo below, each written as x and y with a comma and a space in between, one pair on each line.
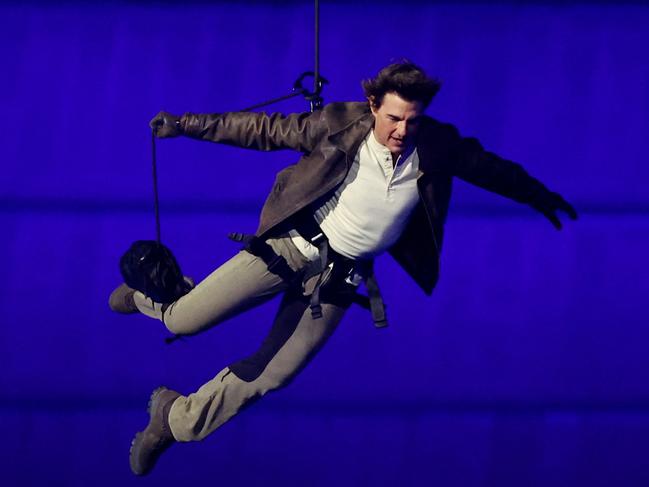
121, 300
148, 445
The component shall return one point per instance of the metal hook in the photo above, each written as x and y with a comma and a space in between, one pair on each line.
313, 97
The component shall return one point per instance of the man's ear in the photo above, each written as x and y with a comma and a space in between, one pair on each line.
373, 107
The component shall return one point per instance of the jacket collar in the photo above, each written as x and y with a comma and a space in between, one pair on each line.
343, 116
347, 133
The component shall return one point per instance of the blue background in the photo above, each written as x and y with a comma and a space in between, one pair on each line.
527, 367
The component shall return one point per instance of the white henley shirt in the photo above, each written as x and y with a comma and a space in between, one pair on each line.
370, 209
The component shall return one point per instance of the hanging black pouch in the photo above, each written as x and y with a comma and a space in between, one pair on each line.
152, 269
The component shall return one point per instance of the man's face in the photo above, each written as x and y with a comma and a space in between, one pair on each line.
396, 121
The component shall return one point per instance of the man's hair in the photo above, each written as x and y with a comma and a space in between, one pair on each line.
404, 78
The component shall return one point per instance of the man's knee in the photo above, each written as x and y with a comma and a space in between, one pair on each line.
179, 325
177, 322
266, 373
175, 326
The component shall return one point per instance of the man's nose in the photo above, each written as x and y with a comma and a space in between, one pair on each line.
401, 129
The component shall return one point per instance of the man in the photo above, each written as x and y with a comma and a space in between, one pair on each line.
373, 177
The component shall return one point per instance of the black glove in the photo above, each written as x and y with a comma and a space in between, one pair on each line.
549, 203
166, 125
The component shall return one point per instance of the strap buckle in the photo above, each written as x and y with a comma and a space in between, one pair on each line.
318, 239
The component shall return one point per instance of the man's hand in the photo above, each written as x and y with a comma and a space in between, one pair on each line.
166, 125
549, 203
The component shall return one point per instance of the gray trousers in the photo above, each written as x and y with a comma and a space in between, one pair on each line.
240, 284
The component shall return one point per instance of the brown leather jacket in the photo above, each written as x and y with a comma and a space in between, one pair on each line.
329, 140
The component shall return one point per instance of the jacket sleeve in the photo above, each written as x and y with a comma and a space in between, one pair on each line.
298, 131
487, 170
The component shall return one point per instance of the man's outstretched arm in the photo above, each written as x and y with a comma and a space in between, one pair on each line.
551, 202
491, 172
298, 131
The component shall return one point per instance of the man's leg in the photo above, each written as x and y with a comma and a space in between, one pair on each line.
292, 342
241, 283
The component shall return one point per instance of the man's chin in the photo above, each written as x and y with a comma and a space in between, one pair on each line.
398, 149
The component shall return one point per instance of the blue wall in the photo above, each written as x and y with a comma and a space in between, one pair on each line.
528, 365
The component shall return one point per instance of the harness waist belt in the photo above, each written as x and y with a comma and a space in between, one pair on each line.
329, 259
357, 270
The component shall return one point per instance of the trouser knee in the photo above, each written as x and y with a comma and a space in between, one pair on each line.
176, 323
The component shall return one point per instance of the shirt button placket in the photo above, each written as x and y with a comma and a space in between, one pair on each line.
389, 172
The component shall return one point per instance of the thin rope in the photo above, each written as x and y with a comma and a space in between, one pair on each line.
316, 64
315, 104
155, 188
270, 102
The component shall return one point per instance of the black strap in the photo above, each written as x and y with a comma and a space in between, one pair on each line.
323, 249
309, 229
377, 306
